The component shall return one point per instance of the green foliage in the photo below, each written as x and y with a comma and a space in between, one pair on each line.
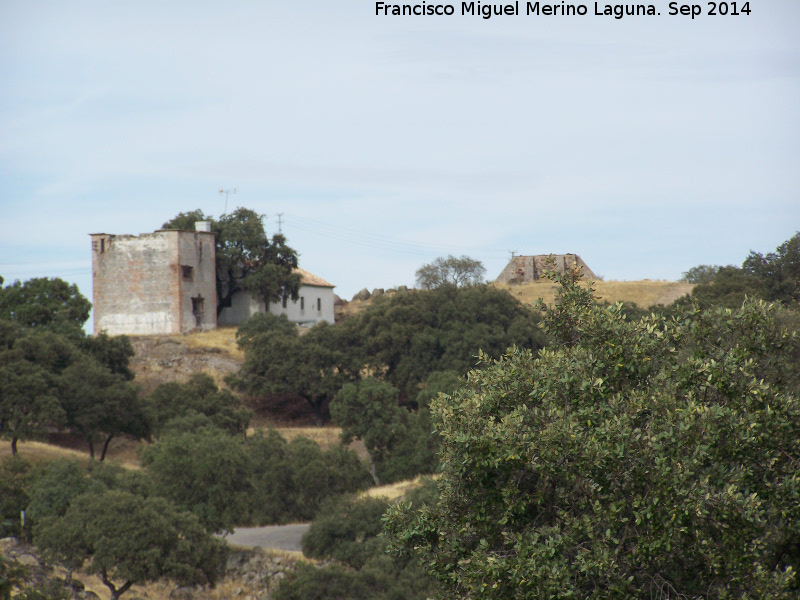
779, 270
427, 493
247, 260
314, 365
198, 397
14, 474
291, 480
461, 271
29, 405
379, 579
438, 382
317, 475
701, 274
11, 576
262, 323
100, 405
47, 381
729, 288
406, 337
113, 352
632, 459
50, 589
55, 486
46, 303
774, 277
399, 442
206, 472
346, 529
127, 539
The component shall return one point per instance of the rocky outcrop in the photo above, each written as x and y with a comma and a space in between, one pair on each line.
363, 295
37, 575
160, 360
250, 575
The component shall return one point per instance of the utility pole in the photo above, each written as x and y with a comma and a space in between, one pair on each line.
226, 192
280, 222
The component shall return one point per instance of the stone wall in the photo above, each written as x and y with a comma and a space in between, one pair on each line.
526, 269
155, 283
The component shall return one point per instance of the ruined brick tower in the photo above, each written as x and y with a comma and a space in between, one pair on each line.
526, 269
154, 283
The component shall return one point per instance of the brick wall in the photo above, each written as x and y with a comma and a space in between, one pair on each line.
146, 284
525, 269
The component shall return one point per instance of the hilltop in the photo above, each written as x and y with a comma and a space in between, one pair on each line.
643, 293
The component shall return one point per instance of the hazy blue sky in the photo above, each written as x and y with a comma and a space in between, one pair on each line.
647, 145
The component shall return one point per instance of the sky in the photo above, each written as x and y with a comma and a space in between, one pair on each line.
646, 144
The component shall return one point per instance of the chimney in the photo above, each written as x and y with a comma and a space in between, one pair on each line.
202, 226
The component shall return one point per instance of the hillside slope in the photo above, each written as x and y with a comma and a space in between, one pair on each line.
644, 293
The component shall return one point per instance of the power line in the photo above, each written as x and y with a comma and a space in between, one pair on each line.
377, 241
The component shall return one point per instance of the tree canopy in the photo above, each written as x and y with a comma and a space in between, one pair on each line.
45, 303
773, 277
128, 539
247, 259
779, 270
450, 271
314, 365
407, 336
198, 396
631, 459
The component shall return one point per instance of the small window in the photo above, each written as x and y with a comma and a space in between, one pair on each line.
284, 302
302, 303
187, 273
319, 304
197, 310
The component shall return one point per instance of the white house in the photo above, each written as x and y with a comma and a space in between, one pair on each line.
315, 304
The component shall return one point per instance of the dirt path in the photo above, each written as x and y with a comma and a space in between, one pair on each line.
277, 537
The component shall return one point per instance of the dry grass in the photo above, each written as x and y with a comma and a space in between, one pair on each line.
222, 338
35, 452
326, 437
163, 589
643, 293
124, 453
395, 490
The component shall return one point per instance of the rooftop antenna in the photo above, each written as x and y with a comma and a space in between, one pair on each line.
513, 254
280, 222
226, 192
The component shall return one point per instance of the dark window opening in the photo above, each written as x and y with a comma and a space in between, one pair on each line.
187, 272
302, 303
284, 302
319, 304
197, 311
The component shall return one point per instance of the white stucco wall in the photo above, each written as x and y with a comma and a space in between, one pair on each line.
315, 305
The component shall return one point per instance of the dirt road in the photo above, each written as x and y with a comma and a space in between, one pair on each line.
278, 537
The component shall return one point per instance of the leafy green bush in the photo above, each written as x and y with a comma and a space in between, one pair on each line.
191, 401
379, 579
14, 494
206, 472
346, 529
128, 540
632, 459
290, 480
400, 442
